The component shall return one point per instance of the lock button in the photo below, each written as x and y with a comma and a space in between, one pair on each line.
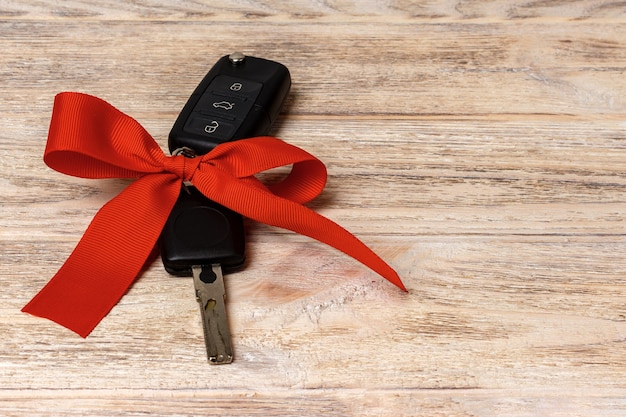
225, 84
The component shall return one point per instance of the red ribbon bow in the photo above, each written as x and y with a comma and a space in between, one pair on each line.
89, 138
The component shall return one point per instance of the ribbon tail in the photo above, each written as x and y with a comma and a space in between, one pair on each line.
309, 223
109, 256
265, 207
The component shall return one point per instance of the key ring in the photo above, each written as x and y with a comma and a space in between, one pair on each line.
184, 151
187, 152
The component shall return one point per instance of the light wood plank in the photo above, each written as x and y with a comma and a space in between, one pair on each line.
476, 146
345, 10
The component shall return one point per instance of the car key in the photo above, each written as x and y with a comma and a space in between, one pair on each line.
199, 239
240, 97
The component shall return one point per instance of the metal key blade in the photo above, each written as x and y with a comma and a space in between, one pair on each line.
210, 293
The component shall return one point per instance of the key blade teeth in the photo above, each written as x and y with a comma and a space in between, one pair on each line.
209, 288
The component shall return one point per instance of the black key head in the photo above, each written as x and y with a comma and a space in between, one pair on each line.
201, 232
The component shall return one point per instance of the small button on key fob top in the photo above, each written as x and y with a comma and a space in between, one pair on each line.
240, 97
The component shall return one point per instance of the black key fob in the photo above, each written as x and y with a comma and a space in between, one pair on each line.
240, 97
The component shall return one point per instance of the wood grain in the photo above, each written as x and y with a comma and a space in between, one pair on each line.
479, 147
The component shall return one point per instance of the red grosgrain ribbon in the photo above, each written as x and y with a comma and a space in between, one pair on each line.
89, 138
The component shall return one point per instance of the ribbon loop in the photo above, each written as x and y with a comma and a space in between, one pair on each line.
91, 139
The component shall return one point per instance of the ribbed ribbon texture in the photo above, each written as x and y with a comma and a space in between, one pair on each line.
89, 138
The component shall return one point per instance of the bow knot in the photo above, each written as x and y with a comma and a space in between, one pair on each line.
182, 166
90, 138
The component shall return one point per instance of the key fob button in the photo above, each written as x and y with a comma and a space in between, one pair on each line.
226, 84
211, 127
227, 107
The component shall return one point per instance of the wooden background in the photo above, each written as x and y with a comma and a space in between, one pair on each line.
478, 146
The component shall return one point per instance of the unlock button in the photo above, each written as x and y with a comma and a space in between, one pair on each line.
212, 127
